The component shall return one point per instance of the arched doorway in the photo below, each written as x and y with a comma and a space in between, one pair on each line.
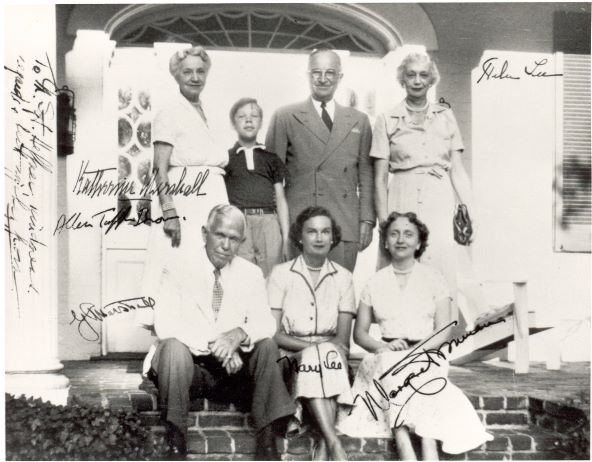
269, 26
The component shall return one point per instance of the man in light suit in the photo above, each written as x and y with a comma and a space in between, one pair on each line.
215, 337
325, 147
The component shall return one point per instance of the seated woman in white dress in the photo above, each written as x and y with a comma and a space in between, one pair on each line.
312, 299
403, 386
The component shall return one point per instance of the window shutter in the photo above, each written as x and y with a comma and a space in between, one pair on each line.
573, 193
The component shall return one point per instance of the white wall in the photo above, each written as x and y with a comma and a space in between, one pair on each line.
513, 174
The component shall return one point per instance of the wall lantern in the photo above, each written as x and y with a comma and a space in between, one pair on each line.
66, 120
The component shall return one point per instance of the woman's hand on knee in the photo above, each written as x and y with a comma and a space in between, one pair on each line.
398, 344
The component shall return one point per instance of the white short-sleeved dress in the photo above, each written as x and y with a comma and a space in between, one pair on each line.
419, 158
385, 386
310, 313
196, 166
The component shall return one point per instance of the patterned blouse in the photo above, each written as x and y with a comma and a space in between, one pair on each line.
406, 145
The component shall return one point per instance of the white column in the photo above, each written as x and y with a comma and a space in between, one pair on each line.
32, 365
86, 65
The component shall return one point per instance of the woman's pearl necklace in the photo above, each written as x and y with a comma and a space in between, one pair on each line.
406, 271
313, 268
417, 109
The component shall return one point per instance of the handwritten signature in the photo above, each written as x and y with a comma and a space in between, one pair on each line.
332, 361
88, 312
424, 357
75, 221
91, 183
490, 70
32, 111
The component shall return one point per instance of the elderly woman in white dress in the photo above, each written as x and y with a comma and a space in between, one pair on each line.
312, 299
185, 154
403, 385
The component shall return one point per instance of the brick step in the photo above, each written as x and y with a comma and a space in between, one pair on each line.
205, 420
532, 443
494, 412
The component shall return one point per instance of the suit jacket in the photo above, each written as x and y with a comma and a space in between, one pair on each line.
331, 169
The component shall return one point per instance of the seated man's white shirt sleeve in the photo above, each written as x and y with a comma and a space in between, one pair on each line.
184, 313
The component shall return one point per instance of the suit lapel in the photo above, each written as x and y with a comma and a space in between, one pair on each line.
307, 115
342, 125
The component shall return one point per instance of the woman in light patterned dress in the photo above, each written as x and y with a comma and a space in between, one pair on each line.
403, 386
312, 299
419, 144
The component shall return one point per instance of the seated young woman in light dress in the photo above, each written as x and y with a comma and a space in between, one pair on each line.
312, 299
403, 386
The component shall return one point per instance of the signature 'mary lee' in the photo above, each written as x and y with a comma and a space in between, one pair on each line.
214, 334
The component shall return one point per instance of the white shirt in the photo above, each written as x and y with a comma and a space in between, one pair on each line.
191, 319
409, 312
249, 155
329, 107
309, 309
179, 124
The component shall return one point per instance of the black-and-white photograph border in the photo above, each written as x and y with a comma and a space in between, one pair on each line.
297, 231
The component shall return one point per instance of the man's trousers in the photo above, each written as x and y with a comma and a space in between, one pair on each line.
180, 377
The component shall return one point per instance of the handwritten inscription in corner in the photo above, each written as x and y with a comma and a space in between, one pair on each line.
496, 69
87, 313
30, 125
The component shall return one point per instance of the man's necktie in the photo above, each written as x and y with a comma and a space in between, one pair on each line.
326, 117
217, 294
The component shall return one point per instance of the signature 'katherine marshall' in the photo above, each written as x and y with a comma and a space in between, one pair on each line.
413, 383
87, 312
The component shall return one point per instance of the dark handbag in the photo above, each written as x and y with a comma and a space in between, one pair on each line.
461, 223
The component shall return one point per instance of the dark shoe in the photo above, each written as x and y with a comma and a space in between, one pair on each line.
176, 442
266, 447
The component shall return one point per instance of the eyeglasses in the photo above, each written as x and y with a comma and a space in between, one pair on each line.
330, 74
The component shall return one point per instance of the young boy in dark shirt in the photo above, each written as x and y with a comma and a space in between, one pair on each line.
254, 182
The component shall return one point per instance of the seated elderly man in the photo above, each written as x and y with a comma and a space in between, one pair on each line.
214, 342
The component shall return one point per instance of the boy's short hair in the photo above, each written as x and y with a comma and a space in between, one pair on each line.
243, 102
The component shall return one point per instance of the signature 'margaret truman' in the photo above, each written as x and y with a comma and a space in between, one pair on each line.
418, 355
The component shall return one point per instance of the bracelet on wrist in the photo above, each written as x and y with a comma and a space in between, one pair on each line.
168, 205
